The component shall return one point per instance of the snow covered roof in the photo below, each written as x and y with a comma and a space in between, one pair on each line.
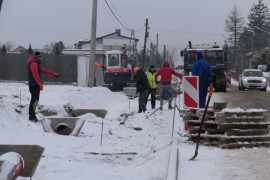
80, 51
114, 52
117, 32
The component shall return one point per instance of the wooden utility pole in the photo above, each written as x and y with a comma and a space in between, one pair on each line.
152, 54
145, 40
93, 45
157, 57
164, 53
1, 1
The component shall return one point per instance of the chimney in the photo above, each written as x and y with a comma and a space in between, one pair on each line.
118, 31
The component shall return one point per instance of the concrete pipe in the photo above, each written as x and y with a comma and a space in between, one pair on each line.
12, 166
63, 129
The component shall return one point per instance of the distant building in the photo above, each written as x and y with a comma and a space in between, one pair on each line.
113, 41
18, 50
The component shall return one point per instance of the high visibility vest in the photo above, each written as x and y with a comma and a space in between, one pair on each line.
151, 79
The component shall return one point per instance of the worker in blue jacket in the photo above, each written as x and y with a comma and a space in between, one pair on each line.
202, 69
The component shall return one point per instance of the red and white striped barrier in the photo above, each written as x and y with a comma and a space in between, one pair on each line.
191, 93
229, 80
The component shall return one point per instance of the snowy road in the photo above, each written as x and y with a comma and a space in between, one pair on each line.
247, 99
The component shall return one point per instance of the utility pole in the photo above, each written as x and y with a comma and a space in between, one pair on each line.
145, 40
157, 58
1, 1
93, 45
152, 54
164, 53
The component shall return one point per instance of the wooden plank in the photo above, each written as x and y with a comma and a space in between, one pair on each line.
242, 126
247, 132
246, 138
246, 145
208, 130
245, 123
199, 121
190, 117
240, 119
235, 139
244, 113
213, 143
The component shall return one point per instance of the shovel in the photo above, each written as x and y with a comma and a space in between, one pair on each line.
204, 114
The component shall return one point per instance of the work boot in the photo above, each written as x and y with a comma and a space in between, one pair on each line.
153, 107
33, 119
170, 107
161, 108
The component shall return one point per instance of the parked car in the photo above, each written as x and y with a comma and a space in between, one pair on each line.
252, 79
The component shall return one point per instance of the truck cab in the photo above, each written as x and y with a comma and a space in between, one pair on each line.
215, 56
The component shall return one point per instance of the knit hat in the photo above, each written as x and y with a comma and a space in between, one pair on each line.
38, 54
136, 69
199, 54
152, 67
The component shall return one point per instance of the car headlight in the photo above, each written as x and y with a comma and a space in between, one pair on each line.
245, 79
264, 80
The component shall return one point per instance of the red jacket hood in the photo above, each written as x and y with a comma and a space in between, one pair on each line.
34, 58
166, 64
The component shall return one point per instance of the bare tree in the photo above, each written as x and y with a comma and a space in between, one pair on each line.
9, 45
234, 25
49, 47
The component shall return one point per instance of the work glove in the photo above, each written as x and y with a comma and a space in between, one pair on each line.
103, 68
41, 86
56, 75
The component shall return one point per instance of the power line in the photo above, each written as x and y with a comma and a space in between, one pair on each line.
183, 32
117, 12
124, 24
116, 17
139, 29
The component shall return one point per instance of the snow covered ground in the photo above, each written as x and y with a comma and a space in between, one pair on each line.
67, 157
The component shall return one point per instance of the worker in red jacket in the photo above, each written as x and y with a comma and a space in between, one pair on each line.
35, 82
165, 83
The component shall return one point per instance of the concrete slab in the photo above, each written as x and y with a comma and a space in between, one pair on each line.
30, 153
220, 105
98, 112
130, 91
75, 124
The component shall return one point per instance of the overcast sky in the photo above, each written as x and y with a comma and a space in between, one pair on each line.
43, 21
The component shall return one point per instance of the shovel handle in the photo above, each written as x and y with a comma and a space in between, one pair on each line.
211, 89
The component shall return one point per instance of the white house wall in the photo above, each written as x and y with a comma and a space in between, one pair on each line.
83, 71
117, 42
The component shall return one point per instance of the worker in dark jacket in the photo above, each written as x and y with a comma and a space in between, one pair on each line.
35, 82
150, 73
202, 69
165, 83
142, 87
